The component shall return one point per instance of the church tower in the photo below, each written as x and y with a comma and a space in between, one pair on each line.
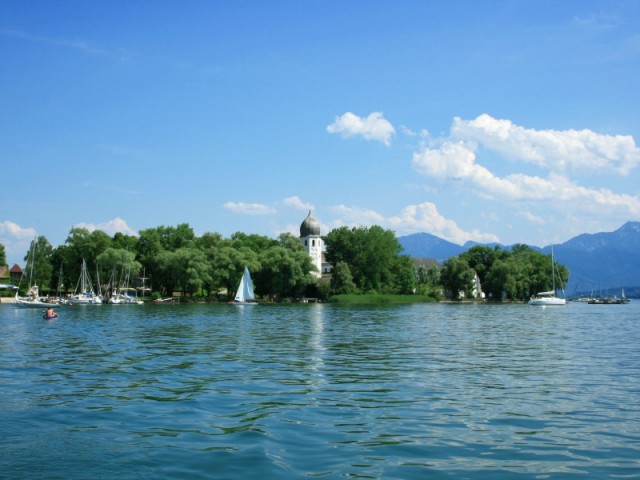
310, 238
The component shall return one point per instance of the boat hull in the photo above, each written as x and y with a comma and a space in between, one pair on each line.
552, 301
26, 303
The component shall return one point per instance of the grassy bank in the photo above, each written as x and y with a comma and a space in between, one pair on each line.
381, 299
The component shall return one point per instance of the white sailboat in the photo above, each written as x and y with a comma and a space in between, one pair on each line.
548, 298
120, 295
245, 295
32, 299
84, 294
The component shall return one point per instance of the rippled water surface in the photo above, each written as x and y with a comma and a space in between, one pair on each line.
321, 391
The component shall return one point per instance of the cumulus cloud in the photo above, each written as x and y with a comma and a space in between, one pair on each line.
9, 229
15, 239
110, 227
296, 203
457, 158
374, 127
413, 218
555, 150
426, 218
249, 208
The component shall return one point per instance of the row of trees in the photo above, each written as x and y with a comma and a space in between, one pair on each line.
365, 260
515, 274
174, 259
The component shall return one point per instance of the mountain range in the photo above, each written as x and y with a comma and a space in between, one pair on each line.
601, 263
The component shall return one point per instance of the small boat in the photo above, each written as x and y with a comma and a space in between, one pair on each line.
33, 300
121, 297
245, 295
548, 298
84, 294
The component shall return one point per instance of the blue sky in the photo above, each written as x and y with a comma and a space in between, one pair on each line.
508, 121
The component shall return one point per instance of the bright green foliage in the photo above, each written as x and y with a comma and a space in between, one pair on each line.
342, 280
39, 269
457, 277
116, 264
373, 257
428, 281
515, 274
82, 245
185, 269
124, 242
284, 272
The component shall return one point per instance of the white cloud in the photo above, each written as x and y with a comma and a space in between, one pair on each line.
426, 218
373, 127
413, 218
110, 227
456, 158
12, 230
357, 217
16, 240
296, 203
249, 208
555, 150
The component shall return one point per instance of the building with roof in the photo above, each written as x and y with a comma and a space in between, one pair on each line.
312, 242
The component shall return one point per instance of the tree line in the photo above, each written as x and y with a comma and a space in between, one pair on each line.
365, 260
514, 274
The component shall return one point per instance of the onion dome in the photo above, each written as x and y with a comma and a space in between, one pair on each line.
309, 227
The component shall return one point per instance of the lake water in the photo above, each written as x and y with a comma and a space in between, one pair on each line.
321, 391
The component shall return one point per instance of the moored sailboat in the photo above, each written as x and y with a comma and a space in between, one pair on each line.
84, 294
548, 298
33, 298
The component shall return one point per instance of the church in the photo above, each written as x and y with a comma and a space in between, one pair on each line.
312, 242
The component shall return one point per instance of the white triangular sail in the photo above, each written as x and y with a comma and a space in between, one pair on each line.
245, 289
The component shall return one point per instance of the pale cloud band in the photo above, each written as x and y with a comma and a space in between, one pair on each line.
296, 203
110, 227
249, 208
413, 218
374, 127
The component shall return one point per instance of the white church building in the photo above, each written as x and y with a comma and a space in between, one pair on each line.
312, 242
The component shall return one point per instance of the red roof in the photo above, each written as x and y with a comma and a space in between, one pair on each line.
15, 269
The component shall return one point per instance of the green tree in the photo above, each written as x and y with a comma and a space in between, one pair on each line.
3, 255
404, 276
428, 281
456, 276
83, 245
371, 254
284, 272
39, 269
124, 241
481, 258
342, 280
119, 265
228, 266
189, 268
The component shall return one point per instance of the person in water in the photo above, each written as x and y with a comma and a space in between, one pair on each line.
50, 312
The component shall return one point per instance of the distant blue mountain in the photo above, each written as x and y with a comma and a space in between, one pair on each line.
425, 245
603, 262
